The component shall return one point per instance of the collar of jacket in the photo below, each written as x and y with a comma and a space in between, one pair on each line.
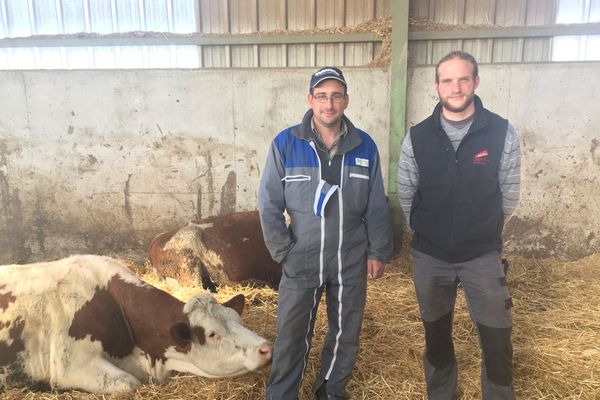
480, 120
350, 141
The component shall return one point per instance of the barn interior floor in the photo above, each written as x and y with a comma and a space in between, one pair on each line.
556, 339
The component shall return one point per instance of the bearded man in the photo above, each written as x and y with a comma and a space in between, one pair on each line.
458, 183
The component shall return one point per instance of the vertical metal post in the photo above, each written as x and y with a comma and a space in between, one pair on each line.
400, 13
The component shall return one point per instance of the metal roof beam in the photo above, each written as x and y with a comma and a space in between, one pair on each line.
193, 40
507, 32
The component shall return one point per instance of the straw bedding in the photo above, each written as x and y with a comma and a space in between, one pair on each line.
556, 339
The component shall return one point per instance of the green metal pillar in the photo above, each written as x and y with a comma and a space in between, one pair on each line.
399, 10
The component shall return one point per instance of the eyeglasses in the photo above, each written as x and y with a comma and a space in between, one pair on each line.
322, 97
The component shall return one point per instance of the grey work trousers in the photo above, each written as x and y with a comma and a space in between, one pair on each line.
296, 315
489, 302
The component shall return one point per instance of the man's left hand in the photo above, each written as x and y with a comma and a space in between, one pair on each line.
375, 269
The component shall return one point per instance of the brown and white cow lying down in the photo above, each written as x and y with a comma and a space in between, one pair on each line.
87, 322
220, 250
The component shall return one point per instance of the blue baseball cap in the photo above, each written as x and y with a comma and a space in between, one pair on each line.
327, 73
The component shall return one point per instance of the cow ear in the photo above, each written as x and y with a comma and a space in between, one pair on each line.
182, 335
237, 303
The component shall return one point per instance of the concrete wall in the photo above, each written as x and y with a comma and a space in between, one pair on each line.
101, 161
554, 108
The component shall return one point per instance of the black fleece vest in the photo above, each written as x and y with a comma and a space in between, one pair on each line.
457, 210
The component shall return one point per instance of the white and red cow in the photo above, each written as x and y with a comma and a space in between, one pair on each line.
87, 322
219, 250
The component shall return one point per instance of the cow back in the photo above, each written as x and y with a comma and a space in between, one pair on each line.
238, 240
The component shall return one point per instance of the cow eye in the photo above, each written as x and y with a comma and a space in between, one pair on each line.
212, 335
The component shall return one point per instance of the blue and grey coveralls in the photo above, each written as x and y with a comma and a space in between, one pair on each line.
334, 227
457, 218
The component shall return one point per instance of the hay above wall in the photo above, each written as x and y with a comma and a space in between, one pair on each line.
556, 339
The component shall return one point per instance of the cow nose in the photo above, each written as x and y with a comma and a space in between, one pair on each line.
265, 351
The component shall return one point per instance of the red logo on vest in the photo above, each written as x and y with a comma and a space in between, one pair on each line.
481, 158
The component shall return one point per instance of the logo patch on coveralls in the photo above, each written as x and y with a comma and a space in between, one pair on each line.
361, 162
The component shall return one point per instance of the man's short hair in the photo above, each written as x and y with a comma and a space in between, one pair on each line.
457, 54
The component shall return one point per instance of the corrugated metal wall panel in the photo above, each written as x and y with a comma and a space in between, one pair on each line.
358, 11
382, 8
17, 18
184, 16
456, 12
272, 55
595, 11
377, 48
46, 18
329, 54
243, 16
215, 16
419, 52
539, 12
301, 55
507, 50
154, 12
301, 14
330, 13
358, 53
256, 16
244, 57
420, 8
442, 47
509, 13
100, 17
482, 12
215, 56
272, 15
127, 13
71, 15
482, 50
3, 23
479, 12
448, 12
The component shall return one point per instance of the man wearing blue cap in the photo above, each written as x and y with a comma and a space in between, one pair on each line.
326, 174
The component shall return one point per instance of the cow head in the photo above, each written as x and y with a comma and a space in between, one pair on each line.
216, 344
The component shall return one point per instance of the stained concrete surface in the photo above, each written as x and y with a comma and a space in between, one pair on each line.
101, 161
